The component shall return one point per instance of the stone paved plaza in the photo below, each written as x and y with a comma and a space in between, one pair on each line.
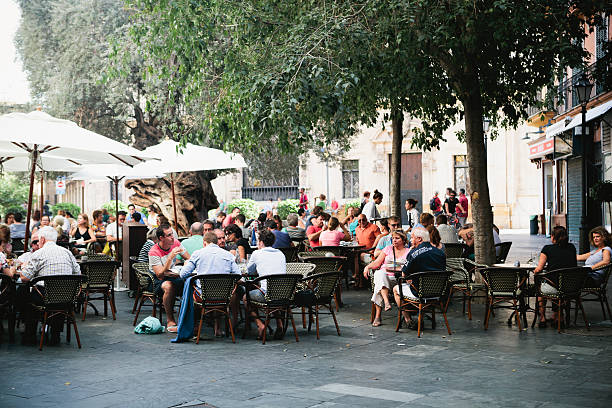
373, 367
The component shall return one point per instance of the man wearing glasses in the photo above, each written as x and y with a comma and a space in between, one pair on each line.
26, 256
162, 261
366, 235
394, 225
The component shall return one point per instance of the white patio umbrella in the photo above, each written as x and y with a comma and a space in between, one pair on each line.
112, 172
39, 135
189, 158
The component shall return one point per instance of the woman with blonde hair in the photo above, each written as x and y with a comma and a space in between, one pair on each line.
384, 280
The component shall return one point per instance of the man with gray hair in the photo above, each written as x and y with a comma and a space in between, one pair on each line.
50, 259
295, 232
422, 257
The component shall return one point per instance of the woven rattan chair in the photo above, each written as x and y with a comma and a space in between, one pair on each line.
146, 290
98, 257
278, 299
429, 289
452, 250
18, 246
291, 253
7, 305
321, 286
569, 287
504, 285
216, 291
329, 264
59, 296
303, 269
462, 281
598, 294
503, 252
100, 275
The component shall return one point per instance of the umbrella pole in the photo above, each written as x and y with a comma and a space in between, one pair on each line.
30, 194
174, 201
42, 196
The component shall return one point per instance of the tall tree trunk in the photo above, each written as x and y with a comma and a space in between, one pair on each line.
482, 213
397, 121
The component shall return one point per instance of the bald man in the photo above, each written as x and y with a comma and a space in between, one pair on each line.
195, 240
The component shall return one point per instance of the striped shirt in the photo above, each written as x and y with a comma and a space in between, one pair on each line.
51, 259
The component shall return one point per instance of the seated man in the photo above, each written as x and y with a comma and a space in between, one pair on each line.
162, 261
220, 238
240, 221
114, 232
282, 239
422, 257
366, 233
295, 232
130, 217
395, 224
212, 259
313, 232
27, 256
195, 241
50, 259
448, 234
18, 228
266, 261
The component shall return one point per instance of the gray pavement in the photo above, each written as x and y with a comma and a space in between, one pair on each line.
365, 366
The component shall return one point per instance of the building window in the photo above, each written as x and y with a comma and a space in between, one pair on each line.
350, 178
461, 172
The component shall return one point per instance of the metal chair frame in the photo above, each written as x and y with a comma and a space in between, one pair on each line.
100, 276
504, 285
216, 291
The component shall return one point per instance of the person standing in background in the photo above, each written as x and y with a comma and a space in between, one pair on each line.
412, 212
370, 210
462, 207
303, 204
364, 200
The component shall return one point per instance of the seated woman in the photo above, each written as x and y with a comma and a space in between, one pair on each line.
383, 280
333, 235
560, 254
600, 238
82, 232
236, 244
58, 225
434, 237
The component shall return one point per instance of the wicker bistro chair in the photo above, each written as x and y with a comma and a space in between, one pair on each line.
216, 291
18, 246
454, 250
100, 275
504, 285
7, 305
598, 294
145, 291
320, 293
430, 290
98, 257
462, 281
503, 253
328, 264
278, 298
291, 253
303, 269
569, 287
59, 296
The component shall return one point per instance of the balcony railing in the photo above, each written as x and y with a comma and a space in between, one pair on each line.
566, 100
271, 192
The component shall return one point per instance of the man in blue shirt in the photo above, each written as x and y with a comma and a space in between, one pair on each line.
282, 239
422, 257
212, 259
131, 212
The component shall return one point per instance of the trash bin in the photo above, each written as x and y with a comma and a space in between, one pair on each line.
533, 225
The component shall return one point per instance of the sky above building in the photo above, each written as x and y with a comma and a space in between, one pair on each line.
13, 82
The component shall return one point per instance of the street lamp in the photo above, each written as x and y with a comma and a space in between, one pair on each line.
486, 123
583, 92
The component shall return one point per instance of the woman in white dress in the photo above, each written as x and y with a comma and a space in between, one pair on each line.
384, 280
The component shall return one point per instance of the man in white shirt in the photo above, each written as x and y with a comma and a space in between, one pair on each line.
266, 261
448, 234
114, 230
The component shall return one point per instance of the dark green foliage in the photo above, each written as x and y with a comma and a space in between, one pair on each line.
73, 209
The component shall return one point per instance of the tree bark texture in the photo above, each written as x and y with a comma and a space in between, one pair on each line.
482, 213
194, 197
397, 120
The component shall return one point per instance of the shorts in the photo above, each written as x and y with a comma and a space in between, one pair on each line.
177, 282
257, 295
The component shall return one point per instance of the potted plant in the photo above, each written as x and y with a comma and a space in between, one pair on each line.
602, 192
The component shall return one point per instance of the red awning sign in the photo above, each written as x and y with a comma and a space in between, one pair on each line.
542, 148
